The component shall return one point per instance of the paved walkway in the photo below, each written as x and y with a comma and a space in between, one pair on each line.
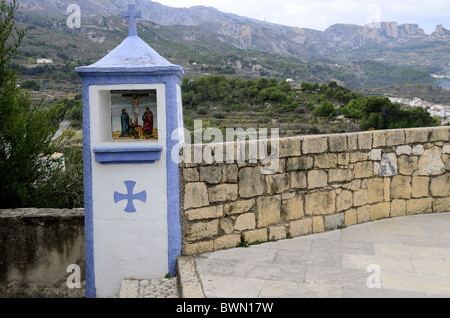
395, 258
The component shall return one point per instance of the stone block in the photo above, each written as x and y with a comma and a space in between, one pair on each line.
420, 187
315, 144
251, 182
363, 214
202, 230
344, 201
431, 163
440, 134
353, 185
338, 143
401, 187
325, 161
277, 165
298, 180
292, 209
290, 147
363, 169
440, 186
343, 159
418, 150
227, 242
277, 183
419, 206
223, 193
191, 175
230, 173
358, 156
395, 137
318, 224
317, 179
417, 135
407, 165
211, 174
388, 165
245, 222
375, 154
268, 211
255, 236
350, 217
227, 225
339, 175
277, 233
375, 190
320, 203
379, 139
387, 189
239, 207
441, 205
360, 197
403, 150
365, 140
299, 163
301, 227
398, 208
198, 248
334, 221
205, 213
446, 149
380, 211
195, 195
352, 141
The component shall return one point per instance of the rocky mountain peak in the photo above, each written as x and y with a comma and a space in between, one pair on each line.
441, 32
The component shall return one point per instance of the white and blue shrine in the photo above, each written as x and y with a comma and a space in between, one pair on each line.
132, 111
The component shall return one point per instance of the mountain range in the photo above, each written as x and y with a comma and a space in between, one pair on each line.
390, 42
206, 41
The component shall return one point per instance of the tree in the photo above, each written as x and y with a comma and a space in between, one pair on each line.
25, 129
30, 84
325, 109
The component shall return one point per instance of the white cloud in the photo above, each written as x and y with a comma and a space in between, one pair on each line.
320, 14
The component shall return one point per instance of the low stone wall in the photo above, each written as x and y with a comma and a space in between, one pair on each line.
36, 247
323, 183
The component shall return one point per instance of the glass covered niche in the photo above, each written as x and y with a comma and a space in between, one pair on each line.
134, 115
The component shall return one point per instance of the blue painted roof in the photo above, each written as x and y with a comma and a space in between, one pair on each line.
131, 56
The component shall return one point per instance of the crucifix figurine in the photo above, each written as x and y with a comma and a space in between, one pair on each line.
135, 98
132, 14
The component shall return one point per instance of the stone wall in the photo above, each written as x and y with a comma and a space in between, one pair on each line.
36, 247
323, 183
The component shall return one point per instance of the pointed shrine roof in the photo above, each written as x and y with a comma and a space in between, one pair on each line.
133, 55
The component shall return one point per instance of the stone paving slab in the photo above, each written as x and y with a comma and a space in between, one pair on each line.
412, 253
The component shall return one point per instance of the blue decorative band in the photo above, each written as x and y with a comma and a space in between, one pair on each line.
128, 155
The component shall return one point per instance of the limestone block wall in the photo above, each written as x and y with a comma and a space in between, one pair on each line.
322, 183
36, 247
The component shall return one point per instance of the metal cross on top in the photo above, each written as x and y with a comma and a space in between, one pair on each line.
132, 14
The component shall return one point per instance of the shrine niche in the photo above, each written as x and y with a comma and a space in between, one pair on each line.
134, 115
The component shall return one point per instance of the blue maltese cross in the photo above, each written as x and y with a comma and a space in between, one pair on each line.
130, 196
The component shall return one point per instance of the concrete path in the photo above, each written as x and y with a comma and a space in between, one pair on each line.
402, 257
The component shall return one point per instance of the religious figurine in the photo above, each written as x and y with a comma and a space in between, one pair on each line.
135, 98
125, 119
148, 122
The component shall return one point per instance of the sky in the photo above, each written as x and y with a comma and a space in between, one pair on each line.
320, 14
